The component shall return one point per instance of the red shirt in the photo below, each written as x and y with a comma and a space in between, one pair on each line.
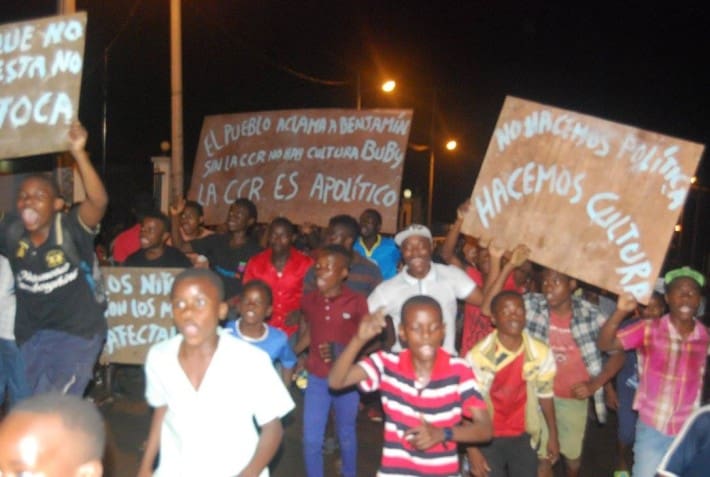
568, 357
476, 325
508, 395
127, 243
332, 320
286, 285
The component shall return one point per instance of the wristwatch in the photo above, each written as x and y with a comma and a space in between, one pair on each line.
448, 434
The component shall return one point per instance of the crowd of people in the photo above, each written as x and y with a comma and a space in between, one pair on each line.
482, 362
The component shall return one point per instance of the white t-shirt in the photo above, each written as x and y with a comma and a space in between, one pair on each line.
444, 283
7, 301
210, 431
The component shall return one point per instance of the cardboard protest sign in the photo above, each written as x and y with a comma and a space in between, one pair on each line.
307, 165
40, 79
591, 198
139, 311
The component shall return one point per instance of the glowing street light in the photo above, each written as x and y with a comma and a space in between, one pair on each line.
389, 86
451, 144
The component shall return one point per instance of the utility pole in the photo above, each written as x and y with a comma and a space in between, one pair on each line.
176, 98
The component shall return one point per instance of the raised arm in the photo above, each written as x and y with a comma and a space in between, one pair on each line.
93, 208
175, 211
449, 246
607, 340
496, 277
344, 372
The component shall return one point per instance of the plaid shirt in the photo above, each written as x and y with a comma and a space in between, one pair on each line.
671, 369
587, 320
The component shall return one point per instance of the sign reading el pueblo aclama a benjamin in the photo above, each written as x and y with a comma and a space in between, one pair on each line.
307, 165
139, 311
593, 199
40, 79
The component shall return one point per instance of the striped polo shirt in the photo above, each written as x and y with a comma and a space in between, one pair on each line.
451, 394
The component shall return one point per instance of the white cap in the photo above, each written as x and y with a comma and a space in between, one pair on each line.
414, 230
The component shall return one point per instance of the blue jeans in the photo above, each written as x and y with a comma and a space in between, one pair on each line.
12, 373
58, 361
318, 400
649, 448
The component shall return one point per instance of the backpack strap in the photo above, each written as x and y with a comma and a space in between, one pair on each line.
65, 241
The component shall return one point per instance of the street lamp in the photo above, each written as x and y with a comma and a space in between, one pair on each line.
387, 86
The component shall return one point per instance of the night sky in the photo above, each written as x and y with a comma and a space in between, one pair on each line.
634, 63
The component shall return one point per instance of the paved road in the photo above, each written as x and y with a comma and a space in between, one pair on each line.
128, 419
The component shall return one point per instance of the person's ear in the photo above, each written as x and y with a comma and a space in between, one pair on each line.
222, 311
400, 333
572, 284
93, 468
58, 204
269, 310
166, 236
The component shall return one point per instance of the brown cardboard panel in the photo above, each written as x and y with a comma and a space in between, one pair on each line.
139, 313
594, 199
40, 78
307, 165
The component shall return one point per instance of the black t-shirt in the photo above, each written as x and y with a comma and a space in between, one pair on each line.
171, 258
53, 293
229, 263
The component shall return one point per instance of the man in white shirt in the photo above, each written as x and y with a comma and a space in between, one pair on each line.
421, 276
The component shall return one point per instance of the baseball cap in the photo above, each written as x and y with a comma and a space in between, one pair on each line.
414, 230
685, 272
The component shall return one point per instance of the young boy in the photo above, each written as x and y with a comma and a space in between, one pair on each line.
207, 390
425, 392
227, 253
626, 383
154, 251
192, 222
254, 309
375, 246
331, 316
52, 435
671, 352
59, 326
516, 373
570, 326
283, 268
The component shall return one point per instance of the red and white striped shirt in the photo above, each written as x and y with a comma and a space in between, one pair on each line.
451, 394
